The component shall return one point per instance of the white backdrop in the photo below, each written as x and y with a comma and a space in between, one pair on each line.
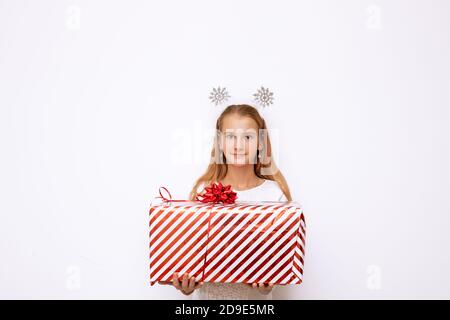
102, 102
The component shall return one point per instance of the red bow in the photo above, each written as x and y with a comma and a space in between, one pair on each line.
217, 193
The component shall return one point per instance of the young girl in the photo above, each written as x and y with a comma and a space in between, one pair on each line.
241, 157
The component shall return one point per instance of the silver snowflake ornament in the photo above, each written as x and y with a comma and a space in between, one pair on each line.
264, 97
219, 95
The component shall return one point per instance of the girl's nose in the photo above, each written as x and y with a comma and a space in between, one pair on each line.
240, 144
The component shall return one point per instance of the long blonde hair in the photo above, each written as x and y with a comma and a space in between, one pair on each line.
217, 170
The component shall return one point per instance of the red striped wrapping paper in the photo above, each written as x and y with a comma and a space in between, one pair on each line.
243, 242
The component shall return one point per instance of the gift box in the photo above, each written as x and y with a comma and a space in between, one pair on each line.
242, 242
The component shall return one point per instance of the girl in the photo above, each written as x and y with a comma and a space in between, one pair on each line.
241, 157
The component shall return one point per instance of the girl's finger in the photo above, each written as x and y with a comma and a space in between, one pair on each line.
175, 281
254, 285
185, 282
266, 288
191, 283
262, 287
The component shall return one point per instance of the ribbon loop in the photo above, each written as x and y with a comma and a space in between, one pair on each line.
169, 199
168, 192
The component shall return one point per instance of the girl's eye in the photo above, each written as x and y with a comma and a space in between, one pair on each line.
249, 137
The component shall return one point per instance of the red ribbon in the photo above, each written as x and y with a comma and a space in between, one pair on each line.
214, 193
217, 193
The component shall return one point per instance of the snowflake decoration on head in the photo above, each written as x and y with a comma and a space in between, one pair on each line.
264, 97
219, 95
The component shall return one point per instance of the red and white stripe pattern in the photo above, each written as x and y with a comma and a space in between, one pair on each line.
242, 242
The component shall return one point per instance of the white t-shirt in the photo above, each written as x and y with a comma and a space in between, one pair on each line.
267, 191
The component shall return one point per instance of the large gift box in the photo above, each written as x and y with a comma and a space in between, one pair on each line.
243, 242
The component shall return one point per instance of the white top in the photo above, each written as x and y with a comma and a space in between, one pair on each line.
267, 191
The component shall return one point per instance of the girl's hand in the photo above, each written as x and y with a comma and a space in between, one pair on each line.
186, 285
263, 288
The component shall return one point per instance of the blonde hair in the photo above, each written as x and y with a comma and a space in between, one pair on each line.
218, 167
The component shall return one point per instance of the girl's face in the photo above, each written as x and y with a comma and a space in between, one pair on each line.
239, 139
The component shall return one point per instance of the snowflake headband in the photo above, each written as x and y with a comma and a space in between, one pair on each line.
263, 96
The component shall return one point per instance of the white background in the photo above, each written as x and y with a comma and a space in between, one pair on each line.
102, 102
